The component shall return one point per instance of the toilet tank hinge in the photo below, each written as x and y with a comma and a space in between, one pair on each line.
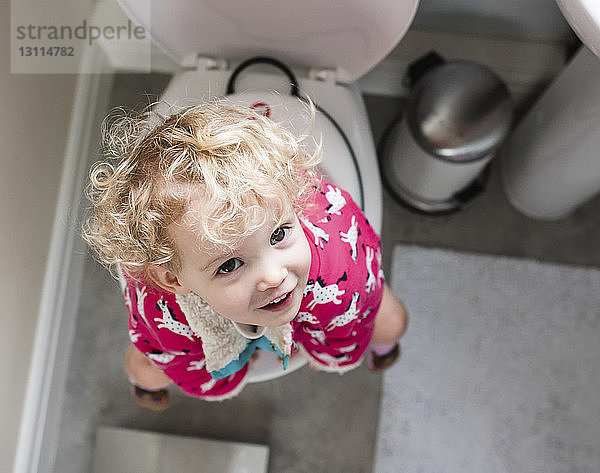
325, 75
204, 63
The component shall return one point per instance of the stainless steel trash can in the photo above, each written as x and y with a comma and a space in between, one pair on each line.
457, 115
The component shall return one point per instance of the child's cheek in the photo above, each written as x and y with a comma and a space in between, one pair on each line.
230, 300
305, 256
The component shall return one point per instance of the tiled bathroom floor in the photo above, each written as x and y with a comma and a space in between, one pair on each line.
311, 421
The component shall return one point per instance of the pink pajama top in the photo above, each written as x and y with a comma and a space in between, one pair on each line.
332, 329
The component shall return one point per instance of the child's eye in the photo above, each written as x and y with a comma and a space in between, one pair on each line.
230, 266
278, 235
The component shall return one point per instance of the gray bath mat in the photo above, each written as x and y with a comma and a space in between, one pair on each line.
500, 367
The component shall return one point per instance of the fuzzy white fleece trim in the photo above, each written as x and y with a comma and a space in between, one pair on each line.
222, 341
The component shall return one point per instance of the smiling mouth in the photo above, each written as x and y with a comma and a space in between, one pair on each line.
280, 302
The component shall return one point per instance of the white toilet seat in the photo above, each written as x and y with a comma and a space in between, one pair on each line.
342, 102
191, 87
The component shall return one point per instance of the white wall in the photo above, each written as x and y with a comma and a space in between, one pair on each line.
33, 129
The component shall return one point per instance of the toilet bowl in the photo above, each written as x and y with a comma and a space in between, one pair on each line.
326, 45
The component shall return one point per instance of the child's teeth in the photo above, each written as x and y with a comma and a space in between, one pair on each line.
279, 299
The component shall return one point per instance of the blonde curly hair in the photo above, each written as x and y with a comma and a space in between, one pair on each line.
236, 158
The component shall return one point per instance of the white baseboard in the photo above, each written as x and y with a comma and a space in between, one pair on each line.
42, 412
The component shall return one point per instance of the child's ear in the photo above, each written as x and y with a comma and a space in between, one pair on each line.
166, 280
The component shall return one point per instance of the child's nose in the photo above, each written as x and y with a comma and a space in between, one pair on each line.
271, 276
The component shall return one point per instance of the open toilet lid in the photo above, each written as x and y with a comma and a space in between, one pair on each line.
350, 36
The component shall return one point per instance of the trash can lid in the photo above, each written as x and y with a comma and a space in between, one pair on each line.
459, 111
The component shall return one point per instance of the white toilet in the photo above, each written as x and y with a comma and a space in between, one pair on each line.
326, 44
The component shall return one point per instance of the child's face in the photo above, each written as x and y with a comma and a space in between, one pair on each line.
260, 283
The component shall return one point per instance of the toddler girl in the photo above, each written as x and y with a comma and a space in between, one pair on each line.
227, 240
